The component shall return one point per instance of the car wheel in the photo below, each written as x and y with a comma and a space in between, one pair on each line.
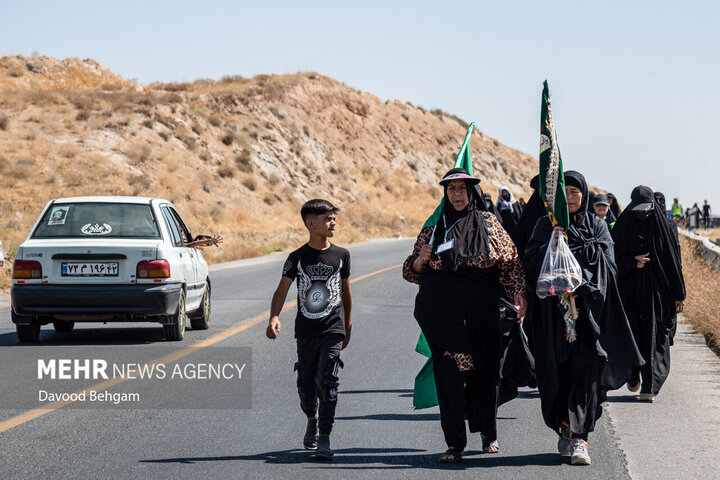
28, 333
176, 331
63, 326
201, 320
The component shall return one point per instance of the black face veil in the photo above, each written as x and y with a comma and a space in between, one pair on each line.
663, 246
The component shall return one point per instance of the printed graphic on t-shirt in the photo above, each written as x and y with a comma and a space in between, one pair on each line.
318, 289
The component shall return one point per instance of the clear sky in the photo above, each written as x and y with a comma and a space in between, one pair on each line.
635, 84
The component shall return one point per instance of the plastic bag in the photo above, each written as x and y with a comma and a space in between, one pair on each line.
560, 272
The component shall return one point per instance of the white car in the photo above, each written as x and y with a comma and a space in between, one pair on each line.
101, 259
2, 257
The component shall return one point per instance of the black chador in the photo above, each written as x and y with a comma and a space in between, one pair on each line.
534, 210
574, 377
649, 293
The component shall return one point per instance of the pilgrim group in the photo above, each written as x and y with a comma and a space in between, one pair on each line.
481, 255
478, 269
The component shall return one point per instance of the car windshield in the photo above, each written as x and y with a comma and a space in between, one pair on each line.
103, 220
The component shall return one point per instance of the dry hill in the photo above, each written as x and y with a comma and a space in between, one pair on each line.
238, 156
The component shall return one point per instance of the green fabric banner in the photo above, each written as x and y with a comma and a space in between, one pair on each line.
424, 393
552, 179
463, 160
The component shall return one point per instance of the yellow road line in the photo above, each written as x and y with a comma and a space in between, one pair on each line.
52, 406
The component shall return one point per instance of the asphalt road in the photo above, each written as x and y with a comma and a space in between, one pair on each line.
377, 434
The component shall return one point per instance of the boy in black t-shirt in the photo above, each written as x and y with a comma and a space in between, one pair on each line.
322, 324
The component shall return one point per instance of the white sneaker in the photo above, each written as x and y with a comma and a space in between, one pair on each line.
563, 444
579, 455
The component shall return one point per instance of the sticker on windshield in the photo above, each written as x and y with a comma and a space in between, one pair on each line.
58, 215
96, 229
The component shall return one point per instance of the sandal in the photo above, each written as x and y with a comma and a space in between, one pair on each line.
490, 447
451, 455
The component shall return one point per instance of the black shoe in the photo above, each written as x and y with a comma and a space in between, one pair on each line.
311, 434
323, 451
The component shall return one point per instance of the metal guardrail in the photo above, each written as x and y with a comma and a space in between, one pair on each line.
711, 251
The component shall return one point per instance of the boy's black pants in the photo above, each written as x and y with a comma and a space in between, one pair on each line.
317, 367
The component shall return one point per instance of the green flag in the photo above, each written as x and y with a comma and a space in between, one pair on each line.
552, 179
424, 393
463, 160
552, 191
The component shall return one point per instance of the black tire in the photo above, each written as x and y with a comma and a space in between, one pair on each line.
176, 331
63, 326
201, 319
28, 333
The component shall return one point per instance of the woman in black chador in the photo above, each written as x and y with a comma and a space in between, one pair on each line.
651, 285
464, 266
574, 376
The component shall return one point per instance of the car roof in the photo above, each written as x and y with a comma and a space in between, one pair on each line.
110, 199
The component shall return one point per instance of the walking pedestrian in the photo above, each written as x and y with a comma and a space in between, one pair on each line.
490, 207
676, 211
576, 364
707, 223
464, 265
651, 286
508, 208
323, 321
601, 208
614, 207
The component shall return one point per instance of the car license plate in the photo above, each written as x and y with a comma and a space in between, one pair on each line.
94, 269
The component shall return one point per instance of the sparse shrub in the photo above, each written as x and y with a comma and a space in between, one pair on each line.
276, 112
172, 98
140, 184
164, 120
139, 153
176, 87
273, 179
164, 136
68, 150
207, 186
231, 79
205, 156
82, 115
244, 161
228, 138
189, 142
107, 113
250, 184
214, 121
197, 128
269, 199
4, 164
225, 171
306, 130
148, 124
4, 122
22, 168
